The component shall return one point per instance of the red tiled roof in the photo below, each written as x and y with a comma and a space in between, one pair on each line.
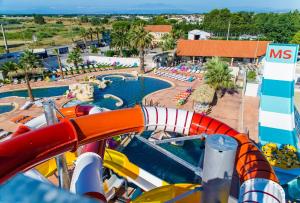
158, 28
222, 48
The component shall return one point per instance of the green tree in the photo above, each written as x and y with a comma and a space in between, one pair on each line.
75, 57
83, 34
168, 42
119, 40
94, 50
84, 19
296, 38
98, 31
9, 66
27, 63
218, 76
140, 39
38, 19
95, 21
56, 52
91, 32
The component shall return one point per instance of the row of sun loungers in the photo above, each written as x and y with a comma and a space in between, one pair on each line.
22, 81
182, 97
176, 76
184, 69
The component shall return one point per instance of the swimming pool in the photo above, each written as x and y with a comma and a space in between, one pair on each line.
131, 91
6, 108
39, 92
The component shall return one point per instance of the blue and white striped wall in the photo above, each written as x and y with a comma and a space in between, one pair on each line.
276, 113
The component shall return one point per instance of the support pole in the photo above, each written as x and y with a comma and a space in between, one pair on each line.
4, 39
61, 163
218, 168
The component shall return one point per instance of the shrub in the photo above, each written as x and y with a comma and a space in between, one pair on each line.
251, 75
38, 19
109, 53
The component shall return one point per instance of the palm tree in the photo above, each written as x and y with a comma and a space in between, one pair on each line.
98, 31
91, 32
168, 42
119, 40
177, 34
94, 50
83, 34
218, 76
9, 66
59, 62
75, 57
140, 39
27, 63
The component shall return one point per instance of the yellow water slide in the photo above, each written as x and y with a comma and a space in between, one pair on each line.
179, 193
48, 168
119, 163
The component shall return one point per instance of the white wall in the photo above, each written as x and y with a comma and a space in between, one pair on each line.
104, 59
251, 89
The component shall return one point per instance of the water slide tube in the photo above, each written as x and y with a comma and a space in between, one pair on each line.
48, 168
87, 176
120, 164
69, 134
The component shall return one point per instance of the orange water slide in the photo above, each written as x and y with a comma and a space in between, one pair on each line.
24, 152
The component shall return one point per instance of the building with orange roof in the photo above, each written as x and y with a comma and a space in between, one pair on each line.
158, 31
236, 50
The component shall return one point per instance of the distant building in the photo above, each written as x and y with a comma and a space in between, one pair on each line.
236, 50
198, 35
158, 31
41, 53
248, 37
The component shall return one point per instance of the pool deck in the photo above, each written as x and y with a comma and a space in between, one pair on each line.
227, 109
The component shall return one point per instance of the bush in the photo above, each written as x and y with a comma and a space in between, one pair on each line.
84, 19
38, 19
110, 53
251, 75
95, 21
59, 22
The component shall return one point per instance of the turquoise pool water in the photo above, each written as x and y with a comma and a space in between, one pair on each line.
41, 92
162, 166
130, 91
6, 108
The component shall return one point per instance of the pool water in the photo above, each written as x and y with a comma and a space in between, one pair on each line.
40, 92
162, 166
6, 108
130, 91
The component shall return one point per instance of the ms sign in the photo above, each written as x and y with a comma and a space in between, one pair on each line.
282, 53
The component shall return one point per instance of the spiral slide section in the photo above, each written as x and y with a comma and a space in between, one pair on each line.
44, 143
276, 113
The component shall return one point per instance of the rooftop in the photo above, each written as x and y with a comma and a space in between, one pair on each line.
158, 28
222, 48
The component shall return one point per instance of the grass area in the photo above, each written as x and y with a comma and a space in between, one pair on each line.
19, 32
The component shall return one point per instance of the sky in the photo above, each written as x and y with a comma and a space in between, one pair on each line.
141, 6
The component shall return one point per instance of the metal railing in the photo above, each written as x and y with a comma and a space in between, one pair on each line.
196, 170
